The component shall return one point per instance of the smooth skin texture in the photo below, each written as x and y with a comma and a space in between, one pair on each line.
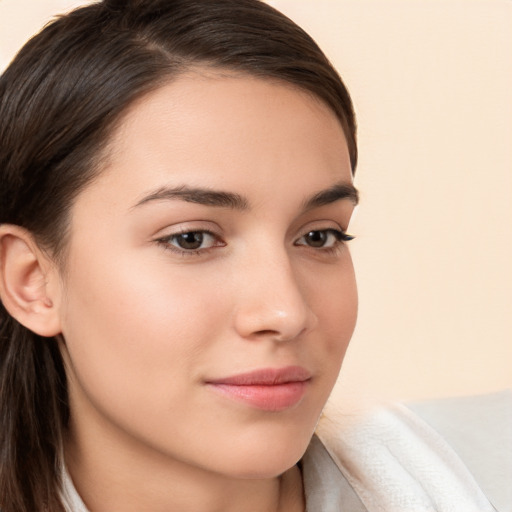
150, 315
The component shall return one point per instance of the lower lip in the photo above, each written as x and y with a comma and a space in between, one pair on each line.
274, 398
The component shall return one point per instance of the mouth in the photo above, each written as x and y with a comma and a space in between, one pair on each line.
268, 389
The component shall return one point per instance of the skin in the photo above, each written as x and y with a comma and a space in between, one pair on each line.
146, 325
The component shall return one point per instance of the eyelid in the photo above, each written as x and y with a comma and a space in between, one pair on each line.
322, 225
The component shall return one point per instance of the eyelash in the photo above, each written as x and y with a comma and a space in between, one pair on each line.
341, 238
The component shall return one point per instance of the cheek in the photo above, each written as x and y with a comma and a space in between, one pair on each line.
334, 299
131, 298
130, 328
332, 295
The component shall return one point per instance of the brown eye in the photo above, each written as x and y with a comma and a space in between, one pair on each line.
191, 241
316, 238
323, 238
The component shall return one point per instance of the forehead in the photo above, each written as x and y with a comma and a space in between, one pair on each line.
207, 129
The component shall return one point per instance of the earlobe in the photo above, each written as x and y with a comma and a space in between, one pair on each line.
24, 282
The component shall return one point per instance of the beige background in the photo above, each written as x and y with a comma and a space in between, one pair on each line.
432, 82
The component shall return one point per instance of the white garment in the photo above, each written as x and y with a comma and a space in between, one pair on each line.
395, 462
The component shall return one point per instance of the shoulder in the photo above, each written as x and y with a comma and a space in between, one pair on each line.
424, 457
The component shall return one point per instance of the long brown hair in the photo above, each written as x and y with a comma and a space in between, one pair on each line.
59, 101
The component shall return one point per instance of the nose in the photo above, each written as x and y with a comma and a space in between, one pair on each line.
271, 303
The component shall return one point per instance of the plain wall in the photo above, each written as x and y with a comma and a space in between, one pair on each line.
431, 81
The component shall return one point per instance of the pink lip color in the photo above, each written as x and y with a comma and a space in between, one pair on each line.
268, 389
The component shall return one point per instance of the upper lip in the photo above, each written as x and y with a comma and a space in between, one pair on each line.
266, 377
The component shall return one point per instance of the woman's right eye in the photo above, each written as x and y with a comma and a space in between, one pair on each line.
190, 242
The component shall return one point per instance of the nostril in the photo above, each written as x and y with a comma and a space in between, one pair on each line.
277, 335
267, 333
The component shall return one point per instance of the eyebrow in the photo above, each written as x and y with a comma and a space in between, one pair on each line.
332, 194
232, 200
202, 196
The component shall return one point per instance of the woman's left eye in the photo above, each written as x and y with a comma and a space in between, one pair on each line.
190, 241
323, 238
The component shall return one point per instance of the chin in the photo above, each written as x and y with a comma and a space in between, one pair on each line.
266, 453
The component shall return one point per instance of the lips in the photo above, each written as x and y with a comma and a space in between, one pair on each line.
268, 389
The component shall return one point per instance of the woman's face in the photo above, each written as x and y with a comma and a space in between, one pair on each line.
209, 296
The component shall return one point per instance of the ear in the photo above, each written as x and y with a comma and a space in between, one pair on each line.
29, 287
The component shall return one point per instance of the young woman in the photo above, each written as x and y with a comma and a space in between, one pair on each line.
177, 291
176, 186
